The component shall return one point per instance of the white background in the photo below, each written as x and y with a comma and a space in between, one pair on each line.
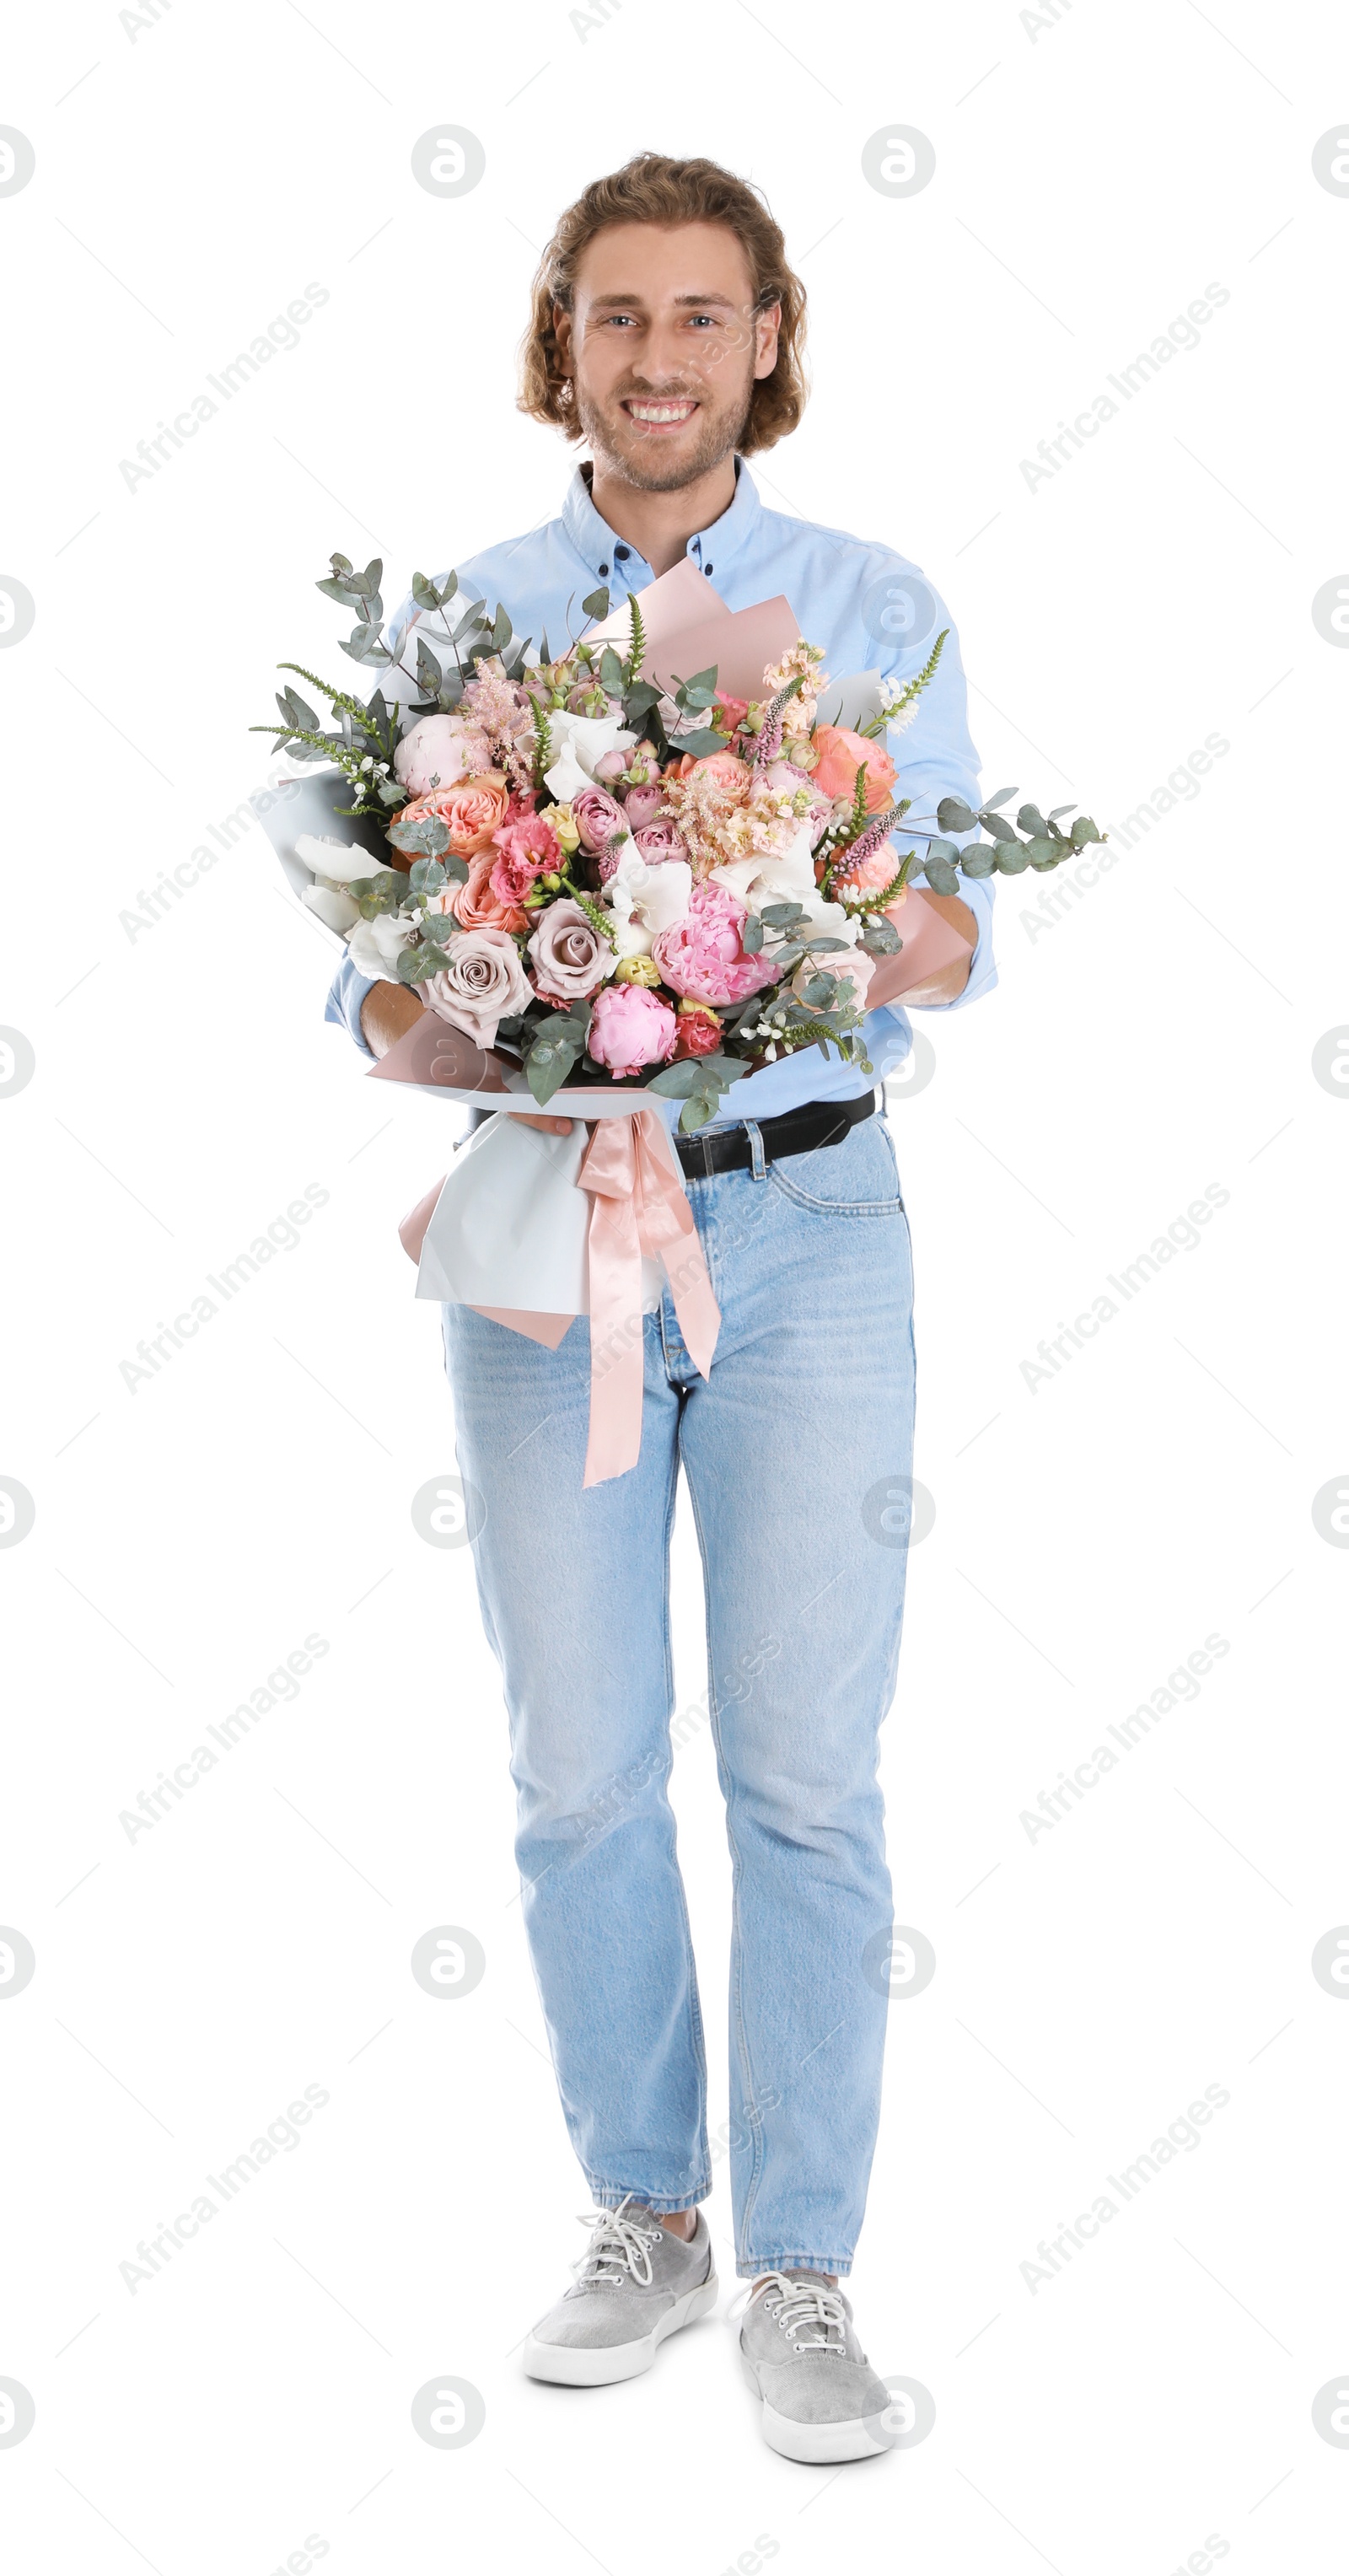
1095, 170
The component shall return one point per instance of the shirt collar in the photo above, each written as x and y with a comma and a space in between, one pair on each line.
714, 549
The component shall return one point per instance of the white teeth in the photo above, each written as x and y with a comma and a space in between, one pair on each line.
661, 411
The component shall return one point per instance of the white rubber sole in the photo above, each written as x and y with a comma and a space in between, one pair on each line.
598, 2366
820, 2445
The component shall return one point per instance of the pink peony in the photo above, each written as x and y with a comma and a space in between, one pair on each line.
660, 841
434, 751
630, 1026
702, 956
640, 804
841, 755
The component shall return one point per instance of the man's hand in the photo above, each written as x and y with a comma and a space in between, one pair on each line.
390, 1010
387, 1013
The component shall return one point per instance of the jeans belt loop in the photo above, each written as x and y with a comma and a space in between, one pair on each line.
757, 1165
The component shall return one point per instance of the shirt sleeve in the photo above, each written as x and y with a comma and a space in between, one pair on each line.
935, 757
346, 994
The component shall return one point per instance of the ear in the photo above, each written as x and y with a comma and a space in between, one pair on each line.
562, 335
766, 340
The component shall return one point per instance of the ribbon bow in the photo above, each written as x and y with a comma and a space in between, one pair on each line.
638, 1205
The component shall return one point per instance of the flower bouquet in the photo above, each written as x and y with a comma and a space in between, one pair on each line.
601, 877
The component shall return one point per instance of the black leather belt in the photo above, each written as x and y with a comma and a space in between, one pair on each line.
797, 1131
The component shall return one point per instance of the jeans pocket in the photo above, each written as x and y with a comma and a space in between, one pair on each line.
857, 1177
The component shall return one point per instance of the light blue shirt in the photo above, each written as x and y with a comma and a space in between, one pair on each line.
846, 593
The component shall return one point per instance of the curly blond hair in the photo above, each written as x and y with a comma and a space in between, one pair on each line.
653, 189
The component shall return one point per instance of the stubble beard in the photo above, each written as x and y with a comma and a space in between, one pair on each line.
638, 461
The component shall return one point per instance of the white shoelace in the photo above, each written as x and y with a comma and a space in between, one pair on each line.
618, 2245
795, 2305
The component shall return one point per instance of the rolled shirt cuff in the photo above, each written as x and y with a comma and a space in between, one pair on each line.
347, 992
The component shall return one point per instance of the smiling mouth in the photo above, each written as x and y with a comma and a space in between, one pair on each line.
659, 415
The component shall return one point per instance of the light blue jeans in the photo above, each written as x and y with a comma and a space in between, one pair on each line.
797, 1452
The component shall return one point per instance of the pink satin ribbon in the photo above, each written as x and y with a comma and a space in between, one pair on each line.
638, 1205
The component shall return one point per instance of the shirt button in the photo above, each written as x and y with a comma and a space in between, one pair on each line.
621, 554
604, 569
707, 568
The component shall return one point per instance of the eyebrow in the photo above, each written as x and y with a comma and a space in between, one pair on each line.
604, 303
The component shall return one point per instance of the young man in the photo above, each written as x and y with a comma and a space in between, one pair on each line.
667, 332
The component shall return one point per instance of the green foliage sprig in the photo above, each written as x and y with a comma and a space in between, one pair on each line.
912, 689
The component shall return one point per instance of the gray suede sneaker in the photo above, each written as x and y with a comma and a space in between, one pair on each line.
635, 2284
821, 2398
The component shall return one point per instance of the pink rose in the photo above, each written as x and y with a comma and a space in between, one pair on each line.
483, 983
610, 766
597, 817
470, 810
698, 1030
841, 754
570, 957
730, 772
660, 841
734, 708
640, 804
630, 1026
868, 877
474, 905
851, 969
433, 752
702, 956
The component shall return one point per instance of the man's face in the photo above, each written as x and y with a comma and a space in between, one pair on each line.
663, 350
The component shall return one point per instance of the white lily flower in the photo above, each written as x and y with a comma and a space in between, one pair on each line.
576, 743
659, 895
631, 937
335, 907
336, 862
788, 878
375, 947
